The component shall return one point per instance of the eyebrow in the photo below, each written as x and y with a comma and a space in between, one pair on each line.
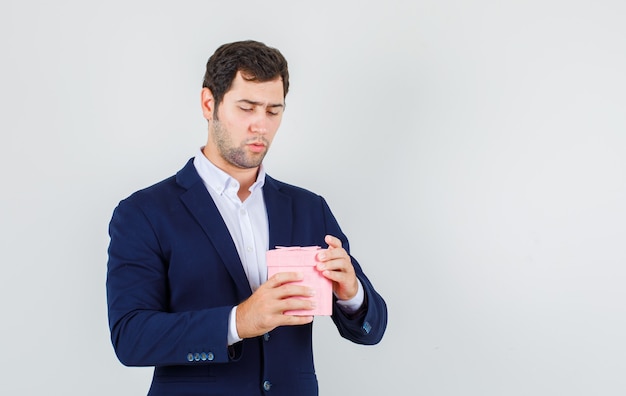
255, 103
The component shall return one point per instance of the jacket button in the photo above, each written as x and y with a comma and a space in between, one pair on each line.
266, 336
267, 385
210, 356
190, 357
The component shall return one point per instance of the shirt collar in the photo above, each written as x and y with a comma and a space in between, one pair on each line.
218, 180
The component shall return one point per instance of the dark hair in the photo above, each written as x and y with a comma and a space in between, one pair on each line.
255, 60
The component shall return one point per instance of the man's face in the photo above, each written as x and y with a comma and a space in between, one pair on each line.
241, 131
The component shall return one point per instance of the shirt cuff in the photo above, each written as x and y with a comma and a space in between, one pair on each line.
233, 336
352, 305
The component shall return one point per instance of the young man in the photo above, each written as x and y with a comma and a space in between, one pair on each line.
187, 283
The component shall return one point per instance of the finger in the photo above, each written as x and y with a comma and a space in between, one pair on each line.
339, 273
335, 276
333, 242
295, 320
297, 304
332, 254
281, 278
292, 290
339, 263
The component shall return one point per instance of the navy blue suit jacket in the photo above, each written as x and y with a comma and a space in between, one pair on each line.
174, 275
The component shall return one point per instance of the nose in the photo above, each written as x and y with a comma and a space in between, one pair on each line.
258, 127
259, 124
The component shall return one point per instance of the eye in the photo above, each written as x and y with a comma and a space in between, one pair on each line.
272, 113
246, 109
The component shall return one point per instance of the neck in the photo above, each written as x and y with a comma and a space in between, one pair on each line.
245, 176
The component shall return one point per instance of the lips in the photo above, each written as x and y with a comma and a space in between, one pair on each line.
256, 147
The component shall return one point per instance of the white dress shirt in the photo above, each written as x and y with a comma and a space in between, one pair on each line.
246, 221
248, 226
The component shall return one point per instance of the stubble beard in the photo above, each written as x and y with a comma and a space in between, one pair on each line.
237, 156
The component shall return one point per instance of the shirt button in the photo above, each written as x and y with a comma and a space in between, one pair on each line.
249, 249
267, 385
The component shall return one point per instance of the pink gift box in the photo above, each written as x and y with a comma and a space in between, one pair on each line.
303, 259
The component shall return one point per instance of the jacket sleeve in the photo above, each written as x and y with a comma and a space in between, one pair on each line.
368, 324
143, 330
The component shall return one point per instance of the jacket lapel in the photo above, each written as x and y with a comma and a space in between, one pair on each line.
279, 213
201, 206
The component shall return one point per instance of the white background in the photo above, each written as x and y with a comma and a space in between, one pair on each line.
474, 153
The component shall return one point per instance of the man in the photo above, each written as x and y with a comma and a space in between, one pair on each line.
187, 283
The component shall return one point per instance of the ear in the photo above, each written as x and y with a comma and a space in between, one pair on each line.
207, 102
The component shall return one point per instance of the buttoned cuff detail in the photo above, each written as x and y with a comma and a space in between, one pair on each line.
200, 356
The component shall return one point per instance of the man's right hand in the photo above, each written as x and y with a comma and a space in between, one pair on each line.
264, 310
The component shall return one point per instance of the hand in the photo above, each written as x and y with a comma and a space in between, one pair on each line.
264, 310
335, 264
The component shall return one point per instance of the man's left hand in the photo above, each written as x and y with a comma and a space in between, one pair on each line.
335, 264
